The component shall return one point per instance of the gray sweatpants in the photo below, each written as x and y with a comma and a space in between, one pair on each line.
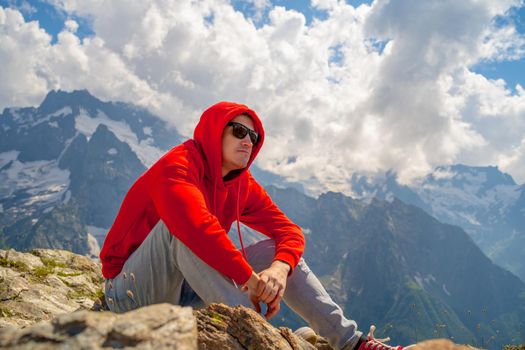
158, 269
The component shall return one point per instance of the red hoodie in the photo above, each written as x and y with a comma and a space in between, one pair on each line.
186, 190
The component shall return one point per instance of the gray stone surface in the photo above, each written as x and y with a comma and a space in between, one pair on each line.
161, 326
44, 283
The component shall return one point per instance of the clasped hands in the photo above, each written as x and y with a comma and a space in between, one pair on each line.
268, 287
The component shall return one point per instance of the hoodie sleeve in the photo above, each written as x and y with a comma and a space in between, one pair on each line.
261, 214
181, 205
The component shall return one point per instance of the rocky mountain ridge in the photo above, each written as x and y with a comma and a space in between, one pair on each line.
484, 201
66, 165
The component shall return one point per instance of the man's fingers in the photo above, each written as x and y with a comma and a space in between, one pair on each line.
273, 309
269, 293
255, 302
261, 286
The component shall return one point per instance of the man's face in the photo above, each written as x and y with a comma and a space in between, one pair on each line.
236, 152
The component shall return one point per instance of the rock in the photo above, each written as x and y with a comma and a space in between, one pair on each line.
161, 326
47, 286
440, 344
45, 283
223, 327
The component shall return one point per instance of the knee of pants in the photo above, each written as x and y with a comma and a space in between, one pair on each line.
120, 296
260, 255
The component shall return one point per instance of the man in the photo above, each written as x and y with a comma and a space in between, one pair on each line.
172, 230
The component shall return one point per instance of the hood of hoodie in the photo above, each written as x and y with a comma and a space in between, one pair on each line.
208, 136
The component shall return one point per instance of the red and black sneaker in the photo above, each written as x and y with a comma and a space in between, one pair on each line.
374, 344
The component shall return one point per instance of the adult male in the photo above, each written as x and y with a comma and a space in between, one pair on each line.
172, 229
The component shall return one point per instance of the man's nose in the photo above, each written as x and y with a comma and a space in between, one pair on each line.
247, 140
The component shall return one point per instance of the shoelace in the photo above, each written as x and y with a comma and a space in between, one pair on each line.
372, 344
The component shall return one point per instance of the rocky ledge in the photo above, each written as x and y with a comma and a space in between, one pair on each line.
44, 283
48, 300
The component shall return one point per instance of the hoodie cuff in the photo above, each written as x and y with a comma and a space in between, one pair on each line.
242, 275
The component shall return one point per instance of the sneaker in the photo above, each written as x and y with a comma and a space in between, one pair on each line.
307, 334
373, 344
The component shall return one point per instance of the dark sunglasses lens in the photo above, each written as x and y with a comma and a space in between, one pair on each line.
240, 132
254, 137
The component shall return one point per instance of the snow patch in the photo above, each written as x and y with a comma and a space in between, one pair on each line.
306, 230
147, 130
8, 156
112, 151
145, 151
66, 197
93, 246
446, 290
53, 124
470, 218
34, 221
61, 112
443, 174
421, 281
99, 233
1, 208
465, 206
41, 182
14, 112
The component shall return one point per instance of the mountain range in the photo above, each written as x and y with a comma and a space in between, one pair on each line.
389, 256
485, 202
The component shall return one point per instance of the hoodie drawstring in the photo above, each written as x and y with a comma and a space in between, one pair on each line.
238, 224
214, 191
237, 212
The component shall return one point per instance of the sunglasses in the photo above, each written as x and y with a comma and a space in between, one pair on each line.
239, 131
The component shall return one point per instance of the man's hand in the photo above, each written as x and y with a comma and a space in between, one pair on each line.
251, 287
271, 286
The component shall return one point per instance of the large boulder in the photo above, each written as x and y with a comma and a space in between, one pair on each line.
44, 283
161, 326
239, 328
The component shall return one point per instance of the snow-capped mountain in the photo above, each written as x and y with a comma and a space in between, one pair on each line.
72, 154
484, 201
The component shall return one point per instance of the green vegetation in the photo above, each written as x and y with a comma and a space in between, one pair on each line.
41, 272
52, 263
514, 347
72, 274
216, 318
100, 294
18, 265
5, 312
80, 294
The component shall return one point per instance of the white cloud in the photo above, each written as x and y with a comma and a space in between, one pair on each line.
331, 100
71, 25
22, 6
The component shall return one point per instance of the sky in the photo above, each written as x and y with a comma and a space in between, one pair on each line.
341, 86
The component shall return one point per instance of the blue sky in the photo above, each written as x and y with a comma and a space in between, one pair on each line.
48, 16
513, 72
